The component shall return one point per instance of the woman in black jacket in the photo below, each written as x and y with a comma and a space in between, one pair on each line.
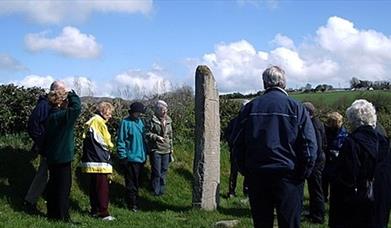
355, 193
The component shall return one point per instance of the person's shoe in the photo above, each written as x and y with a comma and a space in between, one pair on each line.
108, 218
230, 195
135, 208
30, 208
314, 220
93, 214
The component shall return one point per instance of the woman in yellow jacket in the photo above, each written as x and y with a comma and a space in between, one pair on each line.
96, 160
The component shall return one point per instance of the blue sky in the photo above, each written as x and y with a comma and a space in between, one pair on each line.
109, 48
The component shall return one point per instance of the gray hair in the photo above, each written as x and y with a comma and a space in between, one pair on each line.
160, 105
57, 85
310, 108
274, 76
360, 113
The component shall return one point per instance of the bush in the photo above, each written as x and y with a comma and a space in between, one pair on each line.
16, 106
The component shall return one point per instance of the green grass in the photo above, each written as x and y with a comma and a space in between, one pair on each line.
17, 167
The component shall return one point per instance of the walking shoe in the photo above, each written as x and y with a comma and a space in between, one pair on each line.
135, 208
230, 195
108, 218
30, 208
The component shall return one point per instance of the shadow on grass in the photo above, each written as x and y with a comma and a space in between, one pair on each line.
117, 192
16, 174
185, 173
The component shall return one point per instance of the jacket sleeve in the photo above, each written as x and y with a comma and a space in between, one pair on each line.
237, 138
35, 125
307, 151
74, 107
106, 135
150, 135
171, 140
121, 140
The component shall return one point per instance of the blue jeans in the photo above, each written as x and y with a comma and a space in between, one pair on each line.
159, 167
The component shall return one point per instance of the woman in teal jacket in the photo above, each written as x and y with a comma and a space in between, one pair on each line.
132, 152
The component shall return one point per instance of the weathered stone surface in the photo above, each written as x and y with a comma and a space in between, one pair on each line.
206, 167
226, 224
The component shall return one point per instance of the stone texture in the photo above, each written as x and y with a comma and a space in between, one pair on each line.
206, 167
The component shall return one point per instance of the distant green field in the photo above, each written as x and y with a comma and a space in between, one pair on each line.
338, 99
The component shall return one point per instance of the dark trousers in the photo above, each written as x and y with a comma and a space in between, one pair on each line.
99, 194
267, 192
329, 173
233, 176
315, 191
159, 166
59, 187
132, 182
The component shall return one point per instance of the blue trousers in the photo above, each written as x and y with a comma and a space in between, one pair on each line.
159, 167
267, 192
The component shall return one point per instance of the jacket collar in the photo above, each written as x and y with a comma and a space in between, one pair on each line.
276, 88
157, 120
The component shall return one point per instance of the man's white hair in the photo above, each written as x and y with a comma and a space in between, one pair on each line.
57, 85
360, 113
274, 76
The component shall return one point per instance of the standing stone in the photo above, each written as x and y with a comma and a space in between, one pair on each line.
206, 168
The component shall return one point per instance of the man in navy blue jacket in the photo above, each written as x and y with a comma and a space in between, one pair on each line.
275, 148
36, 130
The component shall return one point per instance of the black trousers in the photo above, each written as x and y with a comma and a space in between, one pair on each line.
132, 181
233, 176
315, 191
59, 187
267, 192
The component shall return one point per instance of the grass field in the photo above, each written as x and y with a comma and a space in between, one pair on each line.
17, 167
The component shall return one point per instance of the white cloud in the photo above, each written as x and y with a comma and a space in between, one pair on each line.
283, 41
136, 83
129, 85
54, 12
71, 42
35, 81
8, 63
82, 85
337, 52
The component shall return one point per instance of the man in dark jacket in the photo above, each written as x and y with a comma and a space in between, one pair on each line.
275, 148
233, 172
36, 130
316, 213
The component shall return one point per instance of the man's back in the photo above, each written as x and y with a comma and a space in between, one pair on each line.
278, 135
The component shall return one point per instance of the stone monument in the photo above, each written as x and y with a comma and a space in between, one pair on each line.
206, 167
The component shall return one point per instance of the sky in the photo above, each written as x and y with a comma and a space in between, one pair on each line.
128, 48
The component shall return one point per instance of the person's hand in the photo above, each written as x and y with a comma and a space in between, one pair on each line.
160, 139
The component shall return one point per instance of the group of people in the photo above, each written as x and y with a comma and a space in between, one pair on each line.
277, 143
51, 126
